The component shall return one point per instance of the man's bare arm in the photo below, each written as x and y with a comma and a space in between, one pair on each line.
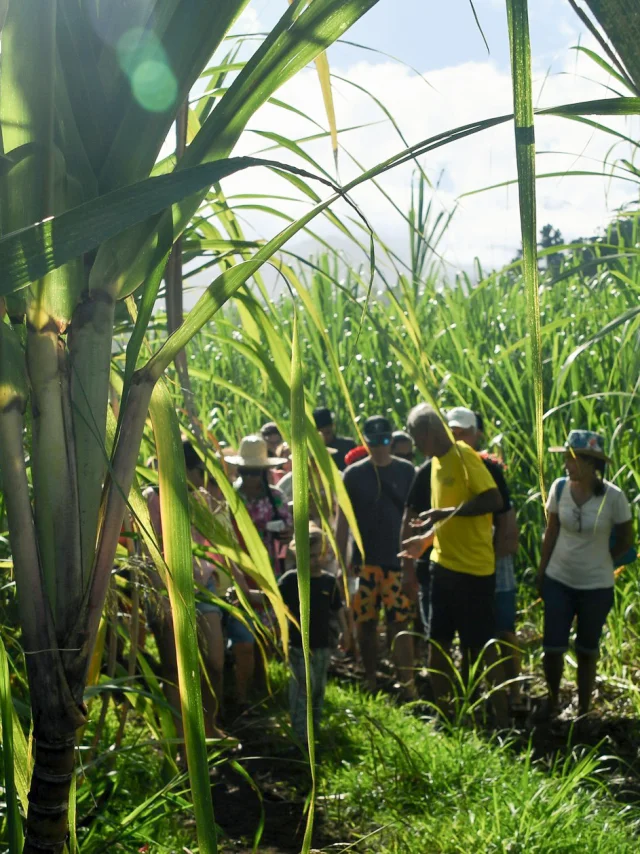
506, 539
486, 502
409, 578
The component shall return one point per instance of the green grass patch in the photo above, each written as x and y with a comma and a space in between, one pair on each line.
391, 782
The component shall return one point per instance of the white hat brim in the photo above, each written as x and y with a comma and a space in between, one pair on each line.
244, 462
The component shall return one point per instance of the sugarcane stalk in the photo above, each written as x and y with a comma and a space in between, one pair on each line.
112, 660
89, 341
134, 630
54, 476
57, 713
114, 503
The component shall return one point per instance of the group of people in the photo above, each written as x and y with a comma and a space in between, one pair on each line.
433, 548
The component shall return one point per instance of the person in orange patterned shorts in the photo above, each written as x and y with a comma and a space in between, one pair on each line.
378, 487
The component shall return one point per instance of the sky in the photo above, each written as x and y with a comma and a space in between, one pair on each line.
441, 76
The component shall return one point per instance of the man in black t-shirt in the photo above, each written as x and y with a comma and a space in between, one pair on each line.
323, 418
378, 487
325, 603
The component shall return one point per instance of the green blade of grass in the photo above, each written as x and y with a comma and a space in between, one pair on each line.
73, 806
300, 462
176, 530
517, 13
324, 75
14, 822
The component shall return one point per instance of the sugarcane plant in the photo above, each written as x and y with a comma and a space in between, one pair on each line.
88, 216
88, 93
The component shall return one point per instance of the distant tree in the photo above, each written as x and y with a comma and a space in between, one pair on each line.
549, 237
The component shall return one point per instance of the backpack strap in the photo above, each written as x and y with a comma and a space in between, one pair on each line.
560, 488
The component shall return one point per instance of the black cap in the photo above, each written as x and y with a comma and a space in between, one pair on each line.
323, 417
377, 425
269, 429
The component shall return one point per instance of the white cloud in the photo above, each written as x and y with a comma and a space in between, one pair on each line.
485, 225
248, 22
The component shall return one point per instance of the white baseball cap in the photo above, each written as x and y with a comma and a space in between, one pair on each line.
461, 417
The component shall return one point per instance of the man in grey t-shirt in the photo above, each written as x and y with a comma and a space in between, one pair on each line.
378, 487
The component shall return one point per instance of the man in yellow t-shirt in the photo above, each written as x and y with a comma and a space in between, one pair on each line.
464, 497
463, 543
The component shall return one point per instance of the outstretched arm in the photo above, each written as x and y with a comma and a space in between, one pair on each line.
486, 502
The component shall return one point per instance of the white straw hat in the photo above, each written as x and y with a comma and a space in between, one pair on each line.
253, 454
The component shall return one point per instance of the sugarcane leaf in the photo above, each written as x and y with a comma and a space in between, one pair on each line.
177, 50
620, 19
606, 66
300, 463
142, 318
303, 32
13, 784
324, 75
73, 817
30, 253
176, 535
621, 320
623, 106
79, 47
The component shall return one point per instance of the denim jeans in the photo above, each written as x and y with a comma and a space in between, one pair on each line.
320, 659
562, 603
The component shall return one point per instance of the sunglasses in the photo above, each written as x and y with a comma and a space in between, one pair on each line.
376, 441
577, 518
250, 472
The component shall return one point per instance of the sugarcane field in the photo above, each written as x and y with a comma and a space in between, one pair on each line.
319, 427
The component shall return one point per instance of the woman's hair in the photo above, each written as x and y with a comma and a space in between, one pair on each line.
599, 467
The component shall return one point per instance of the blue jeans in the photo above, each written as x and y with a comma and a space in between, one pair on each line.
236, 631
320, 659
562, 603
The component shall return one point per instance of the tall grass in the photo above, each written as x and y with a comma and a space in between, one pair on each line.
462, 342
